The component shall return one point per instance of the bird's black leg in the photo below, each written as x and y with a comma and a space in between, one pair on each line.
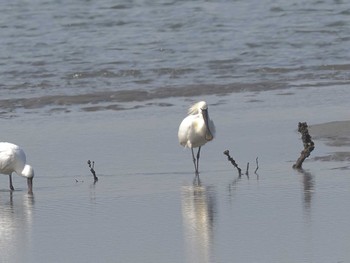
198, 154
196, 180
11, 185
194, 162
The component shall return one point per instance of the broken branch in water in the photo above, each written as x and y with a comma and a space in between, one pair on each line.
309, 145
257, 165
92, 170
227, 153
247, 171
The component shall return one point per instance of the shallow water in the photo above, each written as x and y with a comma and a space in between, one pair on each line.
146, 206
283, 217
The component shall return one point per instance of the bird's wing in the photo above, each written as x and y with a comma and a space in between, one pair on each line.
12, 158
7, 155
185, 131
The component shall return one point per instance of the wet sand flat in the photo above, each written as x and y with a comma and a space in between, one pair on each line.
336, 133
146, 206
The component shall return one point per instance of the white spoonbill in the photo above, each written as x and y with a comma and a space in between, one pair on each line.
196, 130
13, 159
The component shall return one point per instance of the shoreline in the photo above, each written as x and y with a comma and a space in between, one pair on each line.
335, 135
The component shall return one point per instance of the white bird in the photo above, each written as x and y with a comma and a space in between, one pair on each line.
13, 159
196, 130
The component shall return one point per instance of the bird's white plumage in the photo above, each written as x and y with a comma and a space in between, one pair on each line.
196, 129
192, 131
13, 159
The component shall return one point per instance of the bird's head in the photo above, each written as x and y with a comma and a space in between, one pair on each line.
201, 107
28, 172
197, 108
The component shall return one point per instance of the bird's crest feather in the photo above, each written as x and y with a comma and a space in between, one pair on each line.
194, 109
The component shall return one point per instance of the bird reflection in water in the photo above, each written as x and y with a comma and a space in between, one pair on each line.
198, 211
16, 218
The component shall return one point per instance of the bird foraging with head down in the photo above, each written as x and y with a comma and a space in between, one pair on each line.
13, 159
196, 130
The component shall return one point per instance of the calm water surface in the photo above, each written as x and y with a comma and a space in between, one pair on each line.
146, 206
111, 81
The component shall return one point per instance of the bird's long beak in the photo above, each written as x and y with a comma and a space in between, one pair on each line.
208, 135
30, 185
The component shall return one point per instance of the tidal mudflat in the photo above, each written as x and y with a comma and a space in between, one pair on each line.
146, 207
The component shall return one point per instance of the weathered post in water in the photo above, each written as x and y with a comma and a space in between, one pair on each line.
309, 145
233, 162
92, 170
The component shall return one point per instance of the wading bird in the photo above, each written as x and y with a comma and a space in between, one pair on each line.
196, 130
13, 159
